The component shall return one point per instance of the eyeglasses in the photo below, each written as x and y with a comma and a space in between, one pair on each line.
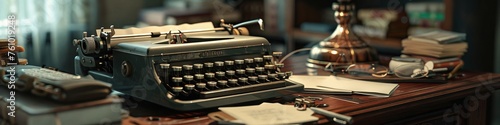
414, 71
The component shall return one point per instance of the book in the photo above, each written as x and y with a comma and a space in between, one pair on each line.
435, 54
434, 59
449, 65
455, 47
340, 85
33, 110
441, 37
430, 53
433, 49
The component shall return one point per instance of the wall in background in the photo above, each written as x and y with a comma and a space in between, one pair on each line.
497, 50
479, 20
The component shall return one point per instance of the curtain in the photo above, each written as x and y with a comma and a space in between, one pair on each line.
46, 29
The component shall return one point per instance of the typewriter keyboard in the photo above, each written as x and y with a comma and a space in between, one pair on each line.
223, 78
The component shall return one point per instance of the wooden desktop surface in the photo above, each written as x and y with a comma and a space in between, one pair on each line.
463, 101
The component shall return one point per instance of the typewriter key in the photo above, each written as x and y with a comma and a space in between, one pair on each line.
263, 78
198, 68
240, 73
212, 85
210, 76
188, 79
239, 64
270, 68
188, 88
188, 91
229, 65
176, 91
249, 63
219, 66
222, 84
233, 82
253, 80
188, 69
220, 75
259, 70
273, 77
177, 81
243, 81
201, 87
281, 75
268, 59
177, 71
209, 67
165, 68
199, 77
258, 61
230, 74
250, 72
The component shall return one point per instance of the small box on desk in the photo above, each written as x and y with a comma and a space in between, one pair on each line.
32, 110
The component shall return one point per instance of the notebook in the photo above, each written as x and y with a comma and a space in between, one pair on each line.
340, 85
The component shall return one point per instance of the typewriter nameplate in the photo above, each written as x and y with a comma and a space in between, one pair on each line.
213, 53
198, 55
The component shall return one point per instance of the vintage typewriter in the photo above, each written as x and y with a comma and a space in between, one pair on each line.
185, 70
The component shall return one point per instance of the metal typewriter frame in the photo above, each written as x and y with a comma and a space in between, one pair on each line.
142, 57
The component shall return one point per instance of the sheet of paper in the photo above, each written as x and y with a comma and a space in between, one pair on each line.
269, 113
345, 84
166, 28
311, 84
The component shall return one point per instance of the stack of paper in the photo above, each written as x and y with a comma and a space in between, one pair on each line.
269, 113
339, 85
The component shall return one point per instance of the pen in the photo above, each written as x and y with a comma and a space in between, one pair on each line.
455, 69
339, 118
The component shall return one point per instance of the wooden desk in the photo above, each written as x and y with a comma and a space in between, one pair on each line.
463, 101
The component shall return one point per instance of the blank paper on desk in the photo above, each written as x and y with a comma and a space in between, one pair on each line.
339, 83
311, 84
269, 113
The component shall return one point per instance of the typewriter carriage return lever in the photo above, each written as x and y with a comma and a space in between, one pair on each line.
190, 76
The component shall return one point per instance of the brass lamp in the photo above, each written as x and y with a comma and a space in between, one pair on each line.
343, 47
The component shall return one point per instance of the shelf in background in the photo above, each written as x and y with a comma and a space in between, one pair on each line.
309, 36
390, 46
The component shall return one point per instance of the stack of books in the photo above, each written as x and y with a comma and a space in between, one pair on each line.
23, 108
444, 48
